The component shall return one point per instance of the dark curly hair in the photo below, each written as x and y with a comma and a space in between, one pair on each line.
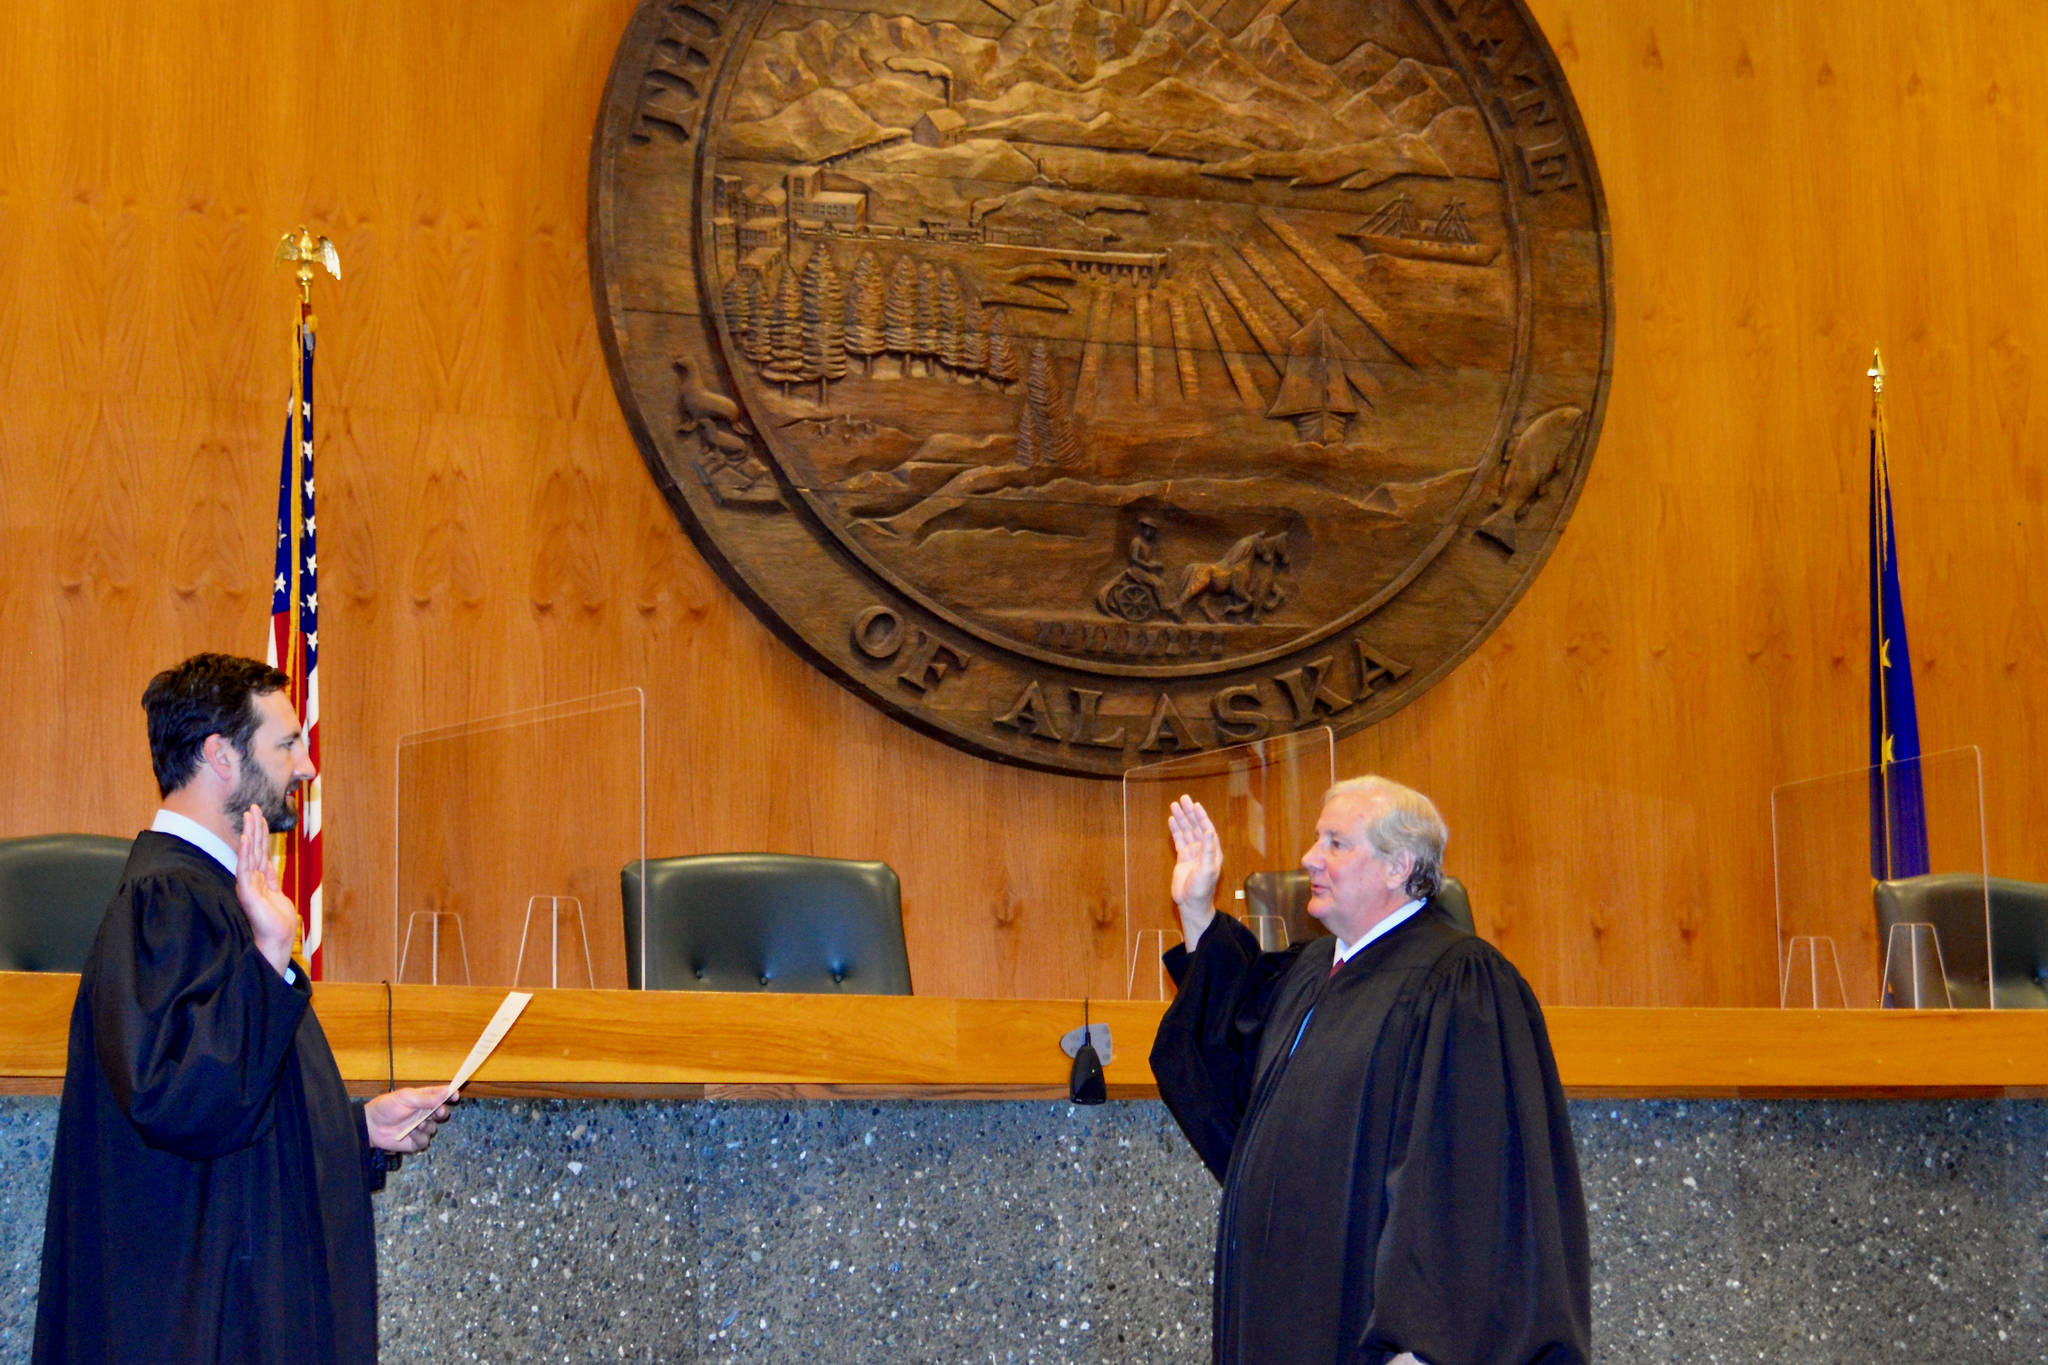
208, 694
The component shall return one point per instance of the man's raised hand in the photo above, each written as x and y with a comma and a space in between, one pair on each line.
273, 919
1198, 862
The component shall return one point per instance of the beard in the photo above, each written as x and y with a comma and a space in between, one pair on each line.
255, 788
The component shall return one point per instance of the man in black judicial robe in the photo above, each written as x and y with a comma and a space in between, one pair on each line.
1399, 1180
210, 1188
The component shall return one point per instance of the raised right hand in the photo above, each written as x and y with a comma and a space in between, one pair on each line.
273, 919
1198, 862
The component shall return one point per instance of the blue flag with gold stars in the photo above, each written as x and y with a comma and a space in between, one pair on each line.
1898, 806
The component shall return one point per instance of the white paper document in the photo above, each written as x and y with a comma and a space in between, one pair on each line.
487, 1043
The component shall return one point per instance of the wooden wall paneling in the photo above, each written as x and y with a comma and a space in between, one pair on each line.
1787, 186
1740, 427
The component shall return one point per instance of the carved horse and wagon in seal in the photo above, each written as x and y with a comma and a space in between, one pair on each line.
1243, 586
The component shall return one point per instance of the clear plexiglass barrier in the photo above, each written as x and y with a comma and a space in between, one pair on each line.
1263, 796
512, 834
1866, 920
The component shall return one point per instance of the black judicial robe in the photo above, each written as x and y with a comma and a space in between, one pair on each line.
210, 1188
1402, 1178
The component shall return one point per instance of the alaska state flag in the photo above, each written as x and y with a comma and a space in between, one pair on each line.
1898, 806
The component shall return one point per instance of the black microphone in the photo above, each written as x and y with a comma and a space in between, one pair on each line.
1085, 1085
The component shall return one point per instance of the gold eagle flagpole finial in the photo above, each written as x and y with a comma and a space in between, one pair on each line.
303, 249
1880, 474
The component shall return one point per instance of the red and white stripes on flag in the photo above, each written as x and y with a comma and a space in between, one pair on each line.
295, 635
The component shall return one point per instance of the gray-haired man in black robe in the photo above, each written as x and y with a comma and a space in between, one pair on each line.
1381, 1106
210, 1189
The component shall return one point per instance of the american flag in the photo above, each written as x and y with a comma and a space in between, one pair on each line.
298, 653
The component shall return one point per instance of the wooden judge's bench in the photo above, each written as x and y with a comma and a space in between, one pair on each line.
604, 1195
714, 1045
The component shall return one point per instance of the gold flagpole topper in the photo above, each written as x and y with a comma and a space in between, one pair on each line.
303, 249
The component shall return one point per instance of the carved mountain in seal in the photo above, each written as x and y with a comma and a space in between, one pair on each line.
1067, 73
822, 125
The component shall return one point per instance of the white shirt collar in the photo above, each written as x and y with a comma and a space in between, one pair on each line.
1384, 927
192, 832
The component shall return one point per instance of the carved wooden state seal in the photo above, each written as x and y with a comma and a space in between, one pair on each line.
1087, 383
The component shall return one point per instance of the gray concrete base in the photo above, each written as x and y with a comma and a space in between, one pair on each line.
1012, 1232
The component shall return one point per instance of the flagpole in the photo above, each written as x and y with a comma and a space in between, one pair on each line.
305, 251
302, 876
292, 663
1880, 479
295, 664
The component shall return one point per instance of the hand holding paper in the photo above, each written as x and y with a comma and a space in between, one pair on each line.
404, 1120
493, 1034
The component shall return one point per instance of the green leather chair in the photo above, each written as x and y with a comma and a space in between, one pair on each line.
53, 890
765, 922
1955, 904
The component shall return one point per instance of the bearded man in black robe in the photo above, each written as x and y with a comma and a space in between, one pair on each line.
1399, 1181
210, 1189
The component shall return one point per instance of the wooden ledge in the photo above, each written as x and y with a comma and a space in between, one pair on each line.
655, 1044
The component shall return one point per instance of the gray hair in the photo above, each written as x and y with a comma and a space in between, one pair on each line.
1408, 823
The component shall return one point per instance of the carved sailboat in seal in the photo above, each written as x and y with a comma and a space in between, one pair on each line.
1398, 230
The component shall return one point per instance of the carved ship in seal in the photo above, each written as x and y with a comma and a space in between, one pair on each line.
1398, 230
